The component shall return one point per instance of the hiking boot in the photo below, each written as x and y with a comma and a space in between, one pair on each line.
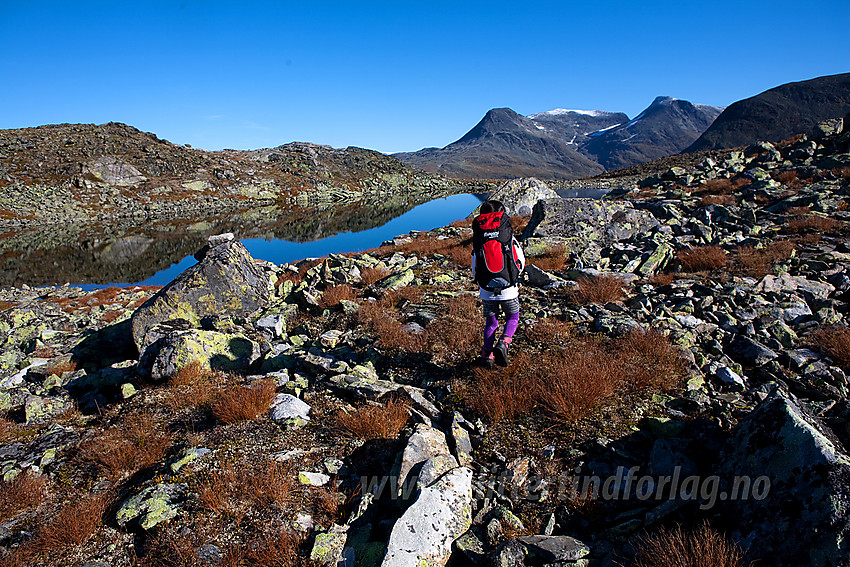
500, 353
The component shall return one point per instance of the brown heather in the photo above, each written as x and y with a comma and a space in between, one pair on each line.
503, 393
724, 199
25, 492
701, 258
244, 403
61, 367
699, 547
72, 526
834, 341
721, 186
458, 252
375, 422
598, 289
662, 279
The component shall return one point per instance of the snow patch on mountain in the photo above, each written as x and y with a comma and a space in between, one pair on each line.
560, 111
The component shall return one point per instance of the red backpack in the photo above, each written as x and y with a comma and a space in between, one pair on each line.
497, 265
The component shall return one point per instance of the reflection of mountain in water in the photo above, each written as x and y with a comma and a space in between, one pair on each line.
97, 253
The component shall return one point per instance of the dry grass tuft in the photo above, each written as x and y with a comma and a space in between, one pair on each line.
571, 380
758, 262
194, 385
244, 403
726, 199
815, 223
26, 491
61, 367
553, 259
789, 178
662, 279
457, 330
368, 276
700, 547
232, 491
701, 258
648, 360
375, 422
131, 446
74, 524
336, 293
598, 289
426, 245
275, 550
503, 393
519, 222
834, 341
549, 331
721, 186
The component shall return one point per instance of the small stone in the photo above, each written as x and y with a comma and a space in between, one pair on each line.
128, 390
313, 478
286, 409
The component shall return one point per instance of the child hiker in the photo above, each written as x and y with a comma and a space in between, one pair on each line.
497, 262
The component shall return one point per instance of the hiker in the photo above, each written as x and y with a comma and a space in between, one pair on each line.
497, 262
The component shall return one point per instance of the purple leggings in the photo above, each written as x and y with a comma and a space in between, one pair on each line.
491, 322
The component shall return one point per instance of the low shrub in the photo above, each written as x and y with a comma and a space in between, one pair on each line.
232, 491
701, 258
549, 331
575, 380
648, 360
677, 547
502, 393
375, 422
244, 403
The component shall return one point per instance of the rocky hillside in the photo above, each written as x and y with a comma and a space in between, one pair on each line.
566, 144
778, 113
113, 171
680, 374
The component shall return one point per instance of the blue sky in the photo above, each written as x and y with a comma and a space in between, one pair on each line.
391, 76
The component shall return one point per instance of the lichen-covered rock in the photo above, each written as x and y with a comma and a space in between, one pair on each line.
214, 350
799, 509
425, 443
588, 223
425, 532
520, 195
152, 506
227, 282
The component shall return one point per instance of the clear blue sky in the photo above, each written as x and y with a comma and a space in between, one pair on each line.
391, 76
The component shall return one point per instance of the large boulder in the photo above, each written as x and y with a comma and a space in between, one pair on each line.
225, 282
216, 351
425, 532
442, 509
797, 511
520, 195
587, 224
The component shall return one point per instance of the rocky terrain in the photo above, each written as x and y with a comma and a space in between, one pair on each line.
679, 375
566, 144
778, 113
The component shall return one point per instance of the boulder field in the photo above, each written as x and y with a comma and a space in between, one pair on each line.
330, 411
